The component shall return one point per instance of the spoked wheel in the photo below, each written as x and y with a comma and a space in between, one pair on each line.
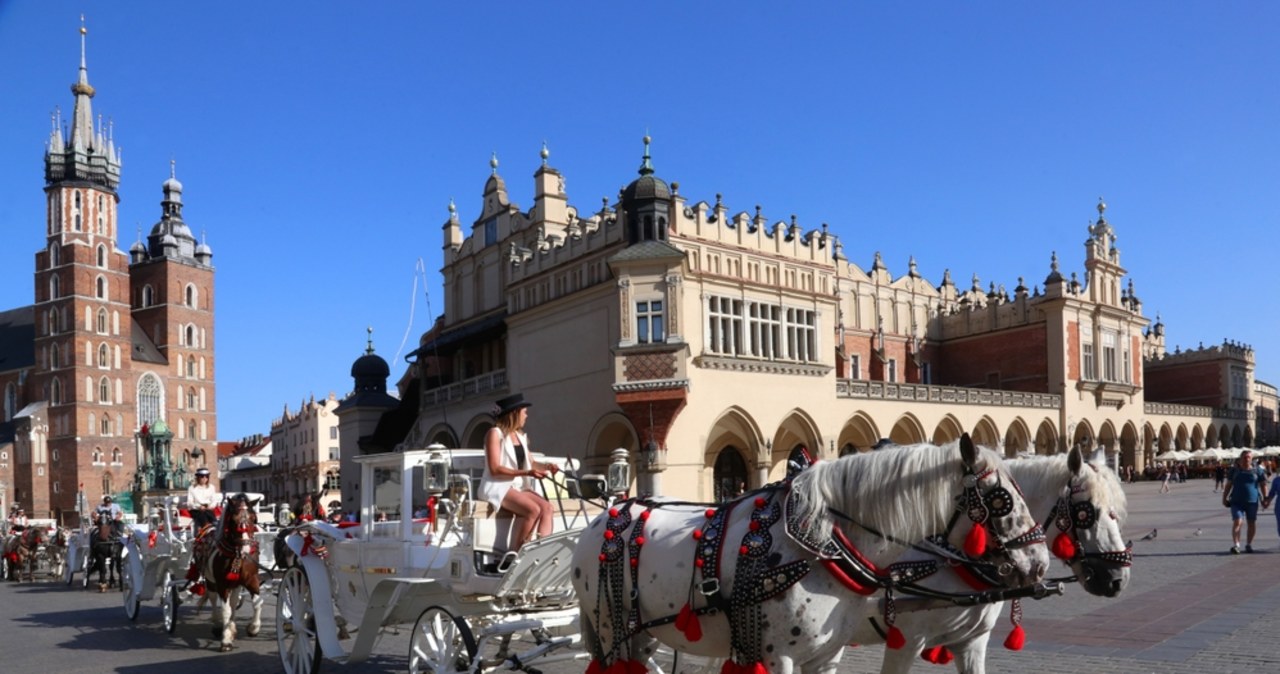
87, 567
296, 625
129, 585
169, 602
441, 643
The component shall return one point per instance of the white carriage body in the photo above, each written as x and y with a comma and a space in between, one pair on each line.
381, 572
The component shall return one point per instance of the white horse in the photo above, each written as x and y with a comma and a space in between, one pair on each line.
760, 582
1083, 508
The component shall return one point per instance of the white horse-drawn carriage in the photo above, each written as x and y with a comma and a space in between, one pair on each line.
426, 554
157, 558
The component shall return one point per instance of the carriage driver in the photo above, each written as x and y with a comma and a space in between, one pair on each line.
111, 509
17, 519
200, 500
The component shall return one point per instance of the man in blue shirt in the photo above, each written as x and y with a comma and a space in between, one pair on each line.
1245, 487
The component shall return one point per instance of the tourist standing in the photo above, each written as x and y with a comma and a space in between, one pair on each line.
1245, 487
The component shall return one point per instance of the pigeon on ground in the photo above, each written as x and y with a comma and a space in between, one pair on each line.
1198, 532
1151, 536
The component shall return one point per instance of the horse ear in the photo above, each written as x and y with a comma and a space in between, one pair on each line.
1099, 455
968, 453
1075, 460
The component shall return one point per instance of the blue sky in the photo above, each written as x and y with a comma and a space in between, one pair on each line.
320, 143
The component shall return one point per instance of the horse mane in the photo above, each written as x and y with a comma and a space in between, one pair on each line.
1044, 475
907, 492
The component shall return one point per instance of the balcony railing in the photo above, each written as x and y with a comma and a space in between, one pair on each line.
950, 395
1173, 409
485, 383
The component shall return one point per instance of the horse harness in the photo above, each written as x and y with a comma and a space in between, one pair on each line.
759, 573
1070, 516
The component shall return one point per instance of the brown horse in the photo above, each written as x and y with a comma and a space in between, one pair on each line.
231, 565
20, 551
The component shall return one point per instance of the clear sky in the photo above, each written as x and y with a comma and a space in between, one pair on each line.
319, 144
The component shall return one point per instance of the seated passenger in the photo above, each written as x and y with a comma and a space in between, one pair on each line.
509, 465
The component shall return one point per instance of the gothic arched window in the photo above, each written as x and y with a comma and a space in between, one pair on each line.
104, 356
102, 256
149, 396
104, 390
102, 321
102, 288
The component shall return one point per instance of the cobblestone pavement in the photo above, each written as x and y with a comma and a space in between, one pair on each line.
1190, 608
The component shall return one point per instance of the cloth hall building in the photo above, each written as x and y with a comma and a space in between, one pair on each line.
108, 376
713, 344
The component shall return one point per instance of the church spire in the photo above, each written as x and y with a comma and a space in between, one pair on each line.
82, 126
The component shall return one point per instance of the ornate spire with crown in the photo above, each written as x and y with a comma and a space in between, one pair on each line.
89, 155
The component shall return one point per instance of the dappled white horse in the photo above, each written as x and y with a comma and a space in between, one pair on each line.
1082, 505
780, 578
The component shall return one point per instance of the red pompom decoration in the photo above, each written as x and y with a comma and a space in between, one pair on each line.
711, 512
618, 667
644, 516
594, 667
894, 638
198, 589
976, 542
933, 655
697, 534
608, 535
755, 525
698, 562
1063, 547
687, 622
944, 655
602, 557
759, 668
760, 501
639, 540
613, 512
233, 577
1016, 638
636, 667
729, 667
742, 550
635, 561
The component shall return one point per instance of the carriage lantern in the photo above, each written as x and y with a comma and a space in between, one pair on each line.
436, 471
619, 472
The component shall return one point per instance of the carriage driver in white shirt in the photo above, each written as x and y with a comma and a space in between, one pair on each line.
201, 497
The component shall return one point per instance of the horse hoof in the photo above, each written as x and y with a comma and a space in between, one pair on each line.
225, 648
252, 631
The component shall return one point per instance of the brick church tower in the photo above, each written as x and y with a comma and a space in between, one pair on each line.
123, 344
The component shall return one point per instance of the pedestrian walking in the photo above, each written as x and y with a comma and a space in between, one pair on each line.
1246, 486
1164, 480
1271, 496
1219, 474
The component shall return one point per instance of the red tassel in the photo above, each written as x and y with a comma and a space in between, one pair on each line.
618, 667
682, 619
198, 589
758, 668
594, 667
729, 667
636, 667
894, 639
1063, 547
233, 577
693, 630
945, 656
1016, 638
933, 655
976, 542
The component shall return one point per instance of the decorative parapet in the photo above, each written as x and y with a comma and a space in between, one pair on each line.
483, 384
1173, 410
950, 395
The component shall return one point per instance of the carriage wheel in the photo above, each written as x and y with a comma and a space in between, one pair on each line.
132, 602
296, 638
440, 643
87, 567
169, 602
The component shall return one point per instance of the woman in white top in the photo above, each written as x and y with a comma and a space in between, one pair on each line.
509, 465
201, 497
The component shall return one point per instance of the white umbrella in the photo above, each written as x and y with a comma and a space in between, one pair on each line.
1167, 456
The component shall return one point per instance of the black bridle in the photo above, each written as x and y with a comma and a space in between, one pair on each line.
1070, 516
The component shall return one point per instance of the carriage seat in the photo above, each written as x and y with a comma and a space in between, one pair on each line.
491, 527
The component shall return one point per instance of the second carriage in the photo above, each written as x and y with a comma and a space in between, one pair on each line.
427, 554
